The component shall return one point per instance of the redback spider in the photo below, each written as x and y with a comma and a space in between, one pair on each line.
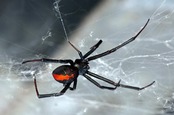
67, 74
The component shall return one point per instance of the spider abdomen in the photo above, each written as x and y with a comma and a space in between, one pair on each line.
65, 73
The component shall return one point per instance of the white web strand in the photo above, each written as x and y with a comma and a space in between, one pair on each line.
56, 6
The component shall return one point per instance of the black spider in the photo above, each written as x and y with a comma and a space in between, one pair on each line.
68, 74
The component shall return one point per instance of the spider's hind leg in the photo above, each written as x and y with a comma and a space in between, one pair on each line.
136, 88
74, 85
50, 94
118, 84
101, 86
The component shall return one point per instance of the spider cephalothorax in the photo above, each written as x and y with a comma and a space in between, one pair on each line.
68, 74
82, 66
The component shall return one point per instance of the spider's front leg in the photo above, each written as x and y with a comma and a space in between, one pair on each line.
92, 49
119, 46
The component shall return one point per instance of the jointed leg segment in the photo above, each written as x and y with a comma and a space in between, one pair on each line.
98, 85
92, 49
78, 51
50, 94
74, 85
49, 61
112, 82
119, 46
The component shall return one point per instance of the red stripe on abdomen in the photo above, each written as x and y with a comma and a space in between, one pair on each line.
60, 77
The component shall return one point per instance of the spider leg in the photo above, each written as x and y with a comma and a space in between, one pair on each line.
118, 84
78, 51
119, 46
48, 61
136, 88
92, 49
98, 85
74, 85
51, 94
101, 78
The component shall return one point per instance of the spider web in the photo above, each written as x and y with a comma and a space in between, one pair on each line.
149, 58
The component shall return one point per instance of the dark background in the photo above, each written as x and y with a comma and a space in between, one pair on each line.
23, 24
